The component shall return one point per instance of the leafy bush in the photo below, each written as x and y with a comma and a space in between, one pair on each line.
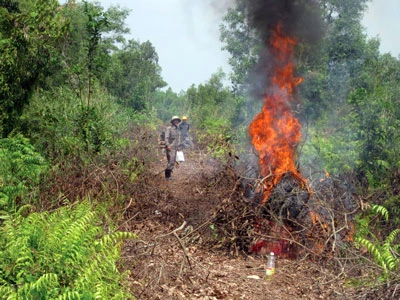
20, 170
62, 255
386, 253
216, 138
91, 128
69, 128
336, 153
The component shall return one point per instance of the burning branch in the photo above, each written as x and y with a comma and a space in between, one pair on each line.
275, 131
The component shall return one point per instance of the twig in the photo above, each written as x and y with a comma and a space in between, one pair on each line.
126, 208
160, 274
395, 290
174, 233
134, 216
183, 247
199, 227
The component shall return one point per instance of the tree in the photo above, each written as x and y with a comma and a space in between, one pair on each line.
29, 34
243, 44
375, 114
96, 21
93, 35
168, 103
212, 103
134, 75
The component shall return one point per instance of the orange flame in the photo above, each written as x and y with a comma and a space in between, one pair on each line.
275, 131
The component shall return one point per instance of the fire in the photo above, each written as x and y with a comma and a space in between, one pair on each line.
275, 131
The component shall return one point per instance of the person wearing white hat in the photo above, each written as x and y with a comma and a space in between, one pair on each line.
172, 144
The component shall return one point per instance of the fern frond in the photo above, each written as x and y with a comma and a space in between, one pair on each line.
4, 199
61, 255
20, 169
373, 250
6, 292
114, 238
4, 215
42, 288
24, 259
24, 209
102, 275
45, 281
69, 296
381, 210
60, 223
78, 236
391, 237
391, 260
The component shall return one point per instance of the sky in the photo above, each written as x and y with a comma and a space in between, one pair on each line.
382, 21
185, 34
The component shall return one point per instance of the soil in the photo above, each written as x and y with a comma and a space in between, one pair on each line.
172, 258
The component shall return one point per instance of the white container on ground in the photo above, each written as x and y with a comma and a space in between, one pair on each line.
270, 268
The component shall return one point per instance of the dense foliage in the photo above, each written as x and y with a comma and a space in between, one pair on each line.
29, 39
60, 255
72, 88
21, 167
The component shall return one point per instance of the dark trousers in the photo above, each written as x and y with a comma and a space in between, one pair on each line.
171, 157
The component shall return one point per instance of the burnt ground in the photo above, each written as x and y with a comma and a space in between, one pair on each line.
180, 255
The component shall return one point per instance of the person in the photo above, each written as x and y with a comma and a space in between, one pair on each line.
173, 142
185, 127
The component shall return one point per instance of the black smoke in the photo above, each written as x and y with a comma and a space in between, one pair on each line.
298, 19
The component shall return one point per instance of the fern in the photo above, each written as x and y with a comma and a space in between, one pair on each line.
6, 292
62, 255
381, 210
389, 255
107, 249
374, 250
20, 170
382, 252
45, 287
69, 296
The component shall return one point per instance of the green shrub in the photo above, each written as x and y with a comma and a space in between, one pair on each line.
21, 168
62, 255
336, 153
385, 253
217, 138
68, 128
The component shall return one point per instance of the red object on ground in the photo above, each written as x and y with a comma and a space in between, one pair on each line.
278, 241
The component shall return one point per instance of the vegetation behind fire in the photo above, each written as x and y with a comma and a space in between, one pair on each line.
81, 109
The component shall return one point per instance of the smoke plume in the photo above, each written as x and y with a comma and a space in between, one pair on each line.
298, 19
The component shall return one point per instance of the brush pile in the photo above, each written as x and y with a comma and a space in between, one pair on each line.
294, 222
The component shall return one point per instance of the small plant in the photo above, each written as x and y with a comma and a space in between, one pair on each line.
214, 231
21, 168
385, 253
62, 255
217, 138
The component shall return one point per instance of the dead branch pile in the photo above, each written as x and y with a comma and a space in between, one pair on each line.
293, 223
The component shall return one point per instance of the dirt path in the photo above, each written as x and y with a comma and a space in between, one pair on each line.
169, 260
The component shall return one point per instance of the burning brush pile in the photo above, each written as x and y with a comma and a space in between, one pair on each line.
292, 222
282, 211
